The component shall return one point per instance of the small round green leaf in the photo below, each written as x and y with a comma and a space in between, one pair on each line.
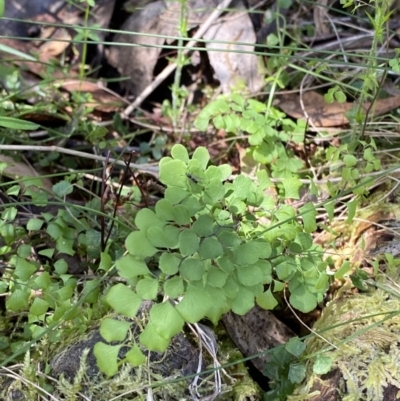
173, 195
14, 190
157, 237
237, 206
91, 291
228, 238
193, 204
201, 123
64, 293
171, 234
43, 281
292, 186
173, 173
210, 248
285, 212
266, 270
63, 188
24, 269
225, 264
241, 186
105, 261
173, 287
295, 346
39, 307
138, 245
18, 300
257, 289
181, 215
64, 245
129, 267
152, 340
146, 218
192, 269
147, 288
54, 230
203, 226
123, 300
309, 215
188, 242
323, 282
107, 356
34, 224
167, 320
263, 180
216, 277
245, 254
297, 372
201, 154
164, 210
322, 364
179, 152
195, 304
267, 300
295, 248
226, 171
195, 176
49, 252
213, 172
169, 263
286, 269
219, 305
135, 356
350, 160
249, 275
243, 301
344, 269
231, 287
114, 330
303, 300
213, 192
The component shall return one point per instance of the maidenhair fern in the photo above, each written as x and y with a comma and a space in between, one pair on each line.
210, 246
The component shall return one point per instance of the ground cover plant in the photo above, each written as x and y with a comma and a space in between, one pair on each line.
201, 203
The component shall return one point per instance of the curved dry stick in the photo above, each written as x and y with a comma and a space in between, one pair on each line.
147, 168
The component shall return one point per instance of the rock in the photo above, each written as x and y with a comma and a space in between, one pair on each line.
135, 56
257, 331
77, 363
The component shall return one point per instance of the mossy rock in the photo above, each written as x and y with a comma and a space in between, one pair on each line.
365, 328
166, 376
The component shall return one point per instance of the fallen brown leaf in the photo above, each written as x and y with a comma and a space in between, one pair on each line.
17, 170
323, 114
54, 47
104, 99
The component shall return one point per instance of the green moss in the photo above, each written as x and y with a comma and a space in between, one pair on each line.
366, 330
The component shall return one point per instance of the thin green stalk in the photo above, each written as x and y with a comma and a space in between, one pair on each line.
371, 83
180, 62
85, 34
